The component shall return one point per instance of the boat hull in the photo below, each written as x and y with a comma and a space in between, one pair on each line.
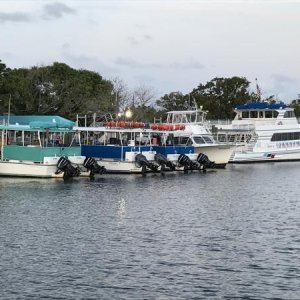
270, 156
118, 159
28, 169
220, 154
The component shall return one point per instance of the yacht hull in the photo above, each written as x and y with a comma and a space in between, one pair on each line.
271, 156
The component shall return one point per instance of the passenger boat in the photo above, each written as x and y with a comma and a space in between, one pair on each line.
137, 150
39, 149
265, 133
190, 128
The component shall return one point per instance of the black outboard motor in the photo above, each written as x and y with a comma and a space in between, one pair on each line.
142, 162
91, 164
203, 160
187, 163
163, 162
65, 166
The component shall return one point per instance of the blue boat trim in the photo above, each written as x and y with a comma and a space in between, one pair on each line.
261, 105
118, 152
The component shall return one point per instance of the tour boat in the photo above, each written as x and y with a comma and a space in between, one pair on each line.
137, 150
264, 132
39, 149
190, 128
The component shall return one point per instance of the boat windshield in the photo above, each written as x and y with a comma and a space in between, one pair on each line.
186, 117
203, 139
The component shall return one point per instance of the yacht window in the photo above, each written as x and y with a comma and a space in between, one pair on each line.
177, 119
189, 142
245, 114
181, 140
176, 140
275, 114
200, 117
207, 139
199, 140
261, 114
289, 114
285, 136
268, 114
184, 140
253, 114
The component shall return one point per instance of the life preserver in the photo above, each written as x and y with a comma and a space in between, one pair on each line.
122, 124
167, 127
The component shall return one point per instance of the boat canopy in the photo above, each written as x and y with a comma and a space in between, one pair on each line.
38, 122
261, 105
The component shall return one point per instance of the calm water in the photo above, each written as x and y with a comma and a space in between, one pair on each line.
229, 234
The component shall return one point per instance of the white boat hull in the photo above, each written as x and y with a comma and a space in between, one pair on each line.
266, 156
220, 154
130, 166
28, 169
114, 166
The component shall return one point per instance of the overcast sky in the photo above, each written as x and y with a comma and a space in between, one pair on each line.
168, 45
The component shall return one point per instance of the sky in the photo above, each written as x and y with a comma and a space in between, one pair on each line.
166, 45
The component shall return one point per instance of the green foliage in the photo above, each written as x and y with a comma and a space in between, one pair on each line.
172, 101
56, 89
296, 105
220, 95
60, 89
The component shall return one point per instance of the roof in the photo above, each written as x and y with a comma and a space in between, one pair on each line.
38, 121
261, 105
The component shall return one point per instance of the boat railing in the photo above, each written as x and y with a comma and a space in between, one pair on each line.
213, 124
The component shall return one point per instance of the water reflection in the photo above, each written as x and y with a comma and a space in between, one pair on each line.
227, 234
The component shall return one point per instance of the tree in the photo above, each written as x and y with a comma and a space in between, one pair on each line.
296, 105
56, 89
220, 95
121, 95
4, 96
173, 101
143, 97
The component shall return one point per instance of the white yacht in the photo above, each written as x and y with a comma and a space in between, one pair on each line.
192, 130
269, 132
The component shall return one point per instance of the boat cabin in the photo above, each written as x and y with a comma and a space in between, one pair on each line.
263, 111
194, 116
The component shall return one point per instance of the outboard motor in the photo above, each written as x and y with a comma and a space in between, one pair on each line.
203, 160
163, 162
187, 163
91, 164
65, 166
142, 162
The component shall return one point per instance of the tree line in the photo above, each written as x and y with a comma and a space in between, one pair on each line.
59, 89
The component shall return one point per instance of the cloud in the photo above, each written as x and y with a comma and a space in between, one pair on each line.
51, 11
131, 63
56, 10
133, 41
136, 41
278, 78
87, 62
14, 17
284, 87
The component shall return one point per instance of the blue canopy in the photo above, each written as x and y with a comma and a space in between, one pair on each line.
261, 105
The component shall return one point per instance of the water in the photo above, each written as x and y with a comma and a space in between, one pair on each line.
229, 234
